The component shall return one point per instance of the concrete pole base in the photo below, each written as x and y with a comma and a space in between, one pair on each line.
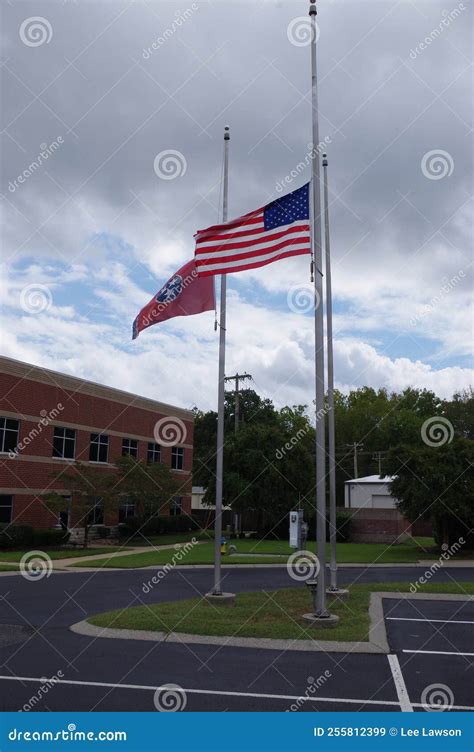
321, 622
224, 599
339, 593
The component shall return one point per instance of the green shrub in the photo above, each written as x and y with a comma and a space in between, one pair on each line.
159, 525
16, 536
25, 536
49, 537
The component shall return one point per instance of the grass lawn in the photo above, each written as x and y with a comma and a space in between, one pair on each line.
363, 553
67, 553
171, 539
8, 568
276, 614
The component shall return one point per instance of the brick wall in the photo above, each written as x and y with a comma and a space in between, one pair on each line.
379, 526
31, 395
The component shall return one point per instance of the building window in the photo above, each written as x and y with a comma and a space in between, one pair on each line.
153, 453
6, 504
96, 515
126, 510
99, 450
176, 506
64, 443
130, 447
177, 458
9, 429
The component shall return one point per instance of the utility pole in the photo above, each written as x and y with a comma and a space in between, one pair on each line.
355, 446
237, 378
377, 456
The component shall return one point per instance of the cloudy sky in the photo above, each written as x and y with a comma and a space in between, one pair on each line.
102, 87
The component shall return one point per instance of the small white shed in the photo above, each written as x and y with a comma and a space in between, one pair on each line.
370, 492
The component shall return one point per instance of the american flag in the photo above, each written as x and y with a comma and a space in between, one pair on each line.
273, 232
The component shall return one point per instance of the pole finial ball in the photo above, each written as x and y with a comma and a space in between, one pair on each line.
312, 9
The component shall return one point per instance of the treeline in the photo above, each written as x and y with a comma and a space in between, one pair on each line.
269, 462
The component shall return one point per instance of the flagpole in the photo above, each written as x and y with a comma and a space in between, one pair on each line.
320, 601
331, 427
217, 588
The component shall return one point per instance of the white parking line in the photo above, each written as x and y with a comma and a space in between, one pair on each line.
400, 686
153, 688
437, 621
436, 652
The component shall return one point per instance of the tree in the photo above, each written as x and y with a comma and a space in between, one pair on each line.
88, 486
436, 483
149, 487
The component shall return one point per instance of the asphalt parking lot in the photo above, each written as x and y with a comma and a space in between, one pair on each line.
430, 644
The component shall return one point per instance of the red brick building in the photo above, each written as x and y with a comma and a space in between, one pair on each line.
49, 420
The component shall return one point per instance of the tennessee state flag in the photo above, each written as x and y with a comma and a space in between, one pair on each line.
184, 294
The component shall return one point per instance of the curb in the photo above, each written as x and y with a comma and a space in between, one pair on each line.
377, 643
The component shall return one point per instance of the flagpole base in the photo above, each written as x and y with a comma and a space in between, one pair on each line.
337, 593
220, 599
321, 622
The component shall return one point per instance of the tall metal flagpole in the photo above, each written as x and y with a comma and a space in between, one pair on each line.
217, 590
331, 418
320, 604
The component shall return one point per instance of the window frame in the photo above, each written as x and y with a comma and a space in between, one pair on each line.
4, 431
99, 442
6, 506
152, 450
126, 452
177, 455
64, 439
176, 506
